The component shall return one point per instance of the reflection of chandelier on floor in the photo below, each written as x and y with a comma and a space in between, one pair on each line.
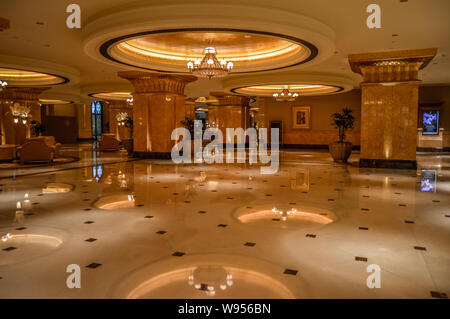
284, 214
285, 95
20, 112
210, 67
210, 279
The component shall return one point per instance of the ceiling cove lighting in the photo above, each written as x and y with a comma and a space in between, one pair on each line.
285, 95
210, 67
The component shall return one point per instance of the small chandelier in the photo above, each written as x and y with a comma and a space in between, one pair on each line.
285, 95
121, 118
20, 112
210, 67
2, 85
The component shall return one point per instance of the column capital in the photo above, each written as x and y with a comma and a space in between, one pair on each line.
22, 94
150, 82
391, 66
230, 99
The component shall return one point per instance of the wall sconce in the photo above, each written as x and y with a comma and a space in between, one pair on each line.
2, 85
20, 112
121, 118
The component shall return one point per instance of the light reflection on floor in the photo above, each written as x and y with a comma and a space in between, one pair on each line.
341, 219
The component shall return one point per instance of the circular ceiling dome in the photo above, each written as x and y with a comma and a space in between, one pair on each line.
54, 101
301, 89
111, 95
170, 50
17, 77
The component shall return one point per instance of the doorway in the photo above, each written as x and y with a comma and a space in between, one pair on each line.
279, 126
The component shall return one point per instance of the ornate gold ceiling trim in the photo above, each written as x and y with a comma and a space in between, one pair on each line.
392, 66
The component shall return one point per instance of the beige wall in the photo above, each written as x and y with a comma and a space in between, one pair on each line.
64, 110
321, 132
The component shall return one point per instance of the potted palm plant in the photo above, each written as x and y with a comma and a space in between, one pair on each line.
344, 121
37, 128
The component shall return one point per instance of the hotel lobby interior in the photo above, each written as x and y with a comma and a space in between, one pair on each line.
94, 205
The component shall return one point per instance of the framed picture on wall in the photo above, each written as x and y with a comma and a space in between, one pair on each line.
301, 117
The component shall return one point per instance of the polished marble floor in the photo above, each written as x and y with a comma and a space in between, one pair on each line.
152, 229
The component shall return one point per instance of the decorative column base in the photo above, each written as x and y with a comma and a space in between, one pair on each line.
381, 163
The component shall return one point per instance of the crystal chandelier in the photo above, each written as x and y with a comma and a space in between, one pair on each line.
285, 95
121, 118
20, 112
210, 67
2, 85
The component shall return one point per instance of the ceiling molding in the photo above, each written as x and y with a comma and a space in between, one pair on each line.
341, 81
71, 75
126, 20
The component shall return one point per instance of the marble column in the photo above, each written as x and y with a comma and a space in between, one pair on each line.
16, 133
190, 108
389, 106
115, 107
232, 111
158, 108
84, 119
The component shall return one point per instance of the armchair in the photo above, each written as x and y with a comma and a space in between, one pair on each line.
35, 151
108, 142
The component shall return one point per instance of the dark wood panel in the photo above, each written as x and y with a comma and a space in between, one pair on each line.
63, 128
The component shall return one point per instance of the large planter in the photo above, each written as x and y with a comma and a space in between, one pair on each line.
128, 145
340, 151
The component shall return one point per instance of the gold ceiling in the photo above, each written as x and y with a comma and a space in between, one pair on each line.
179, 47
112, 95
302, 89
171, 50
16, 77
51, 101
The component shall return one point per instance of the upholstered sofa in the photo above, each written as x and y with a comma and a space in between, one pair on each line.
49, 140
108, 142
35, 151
